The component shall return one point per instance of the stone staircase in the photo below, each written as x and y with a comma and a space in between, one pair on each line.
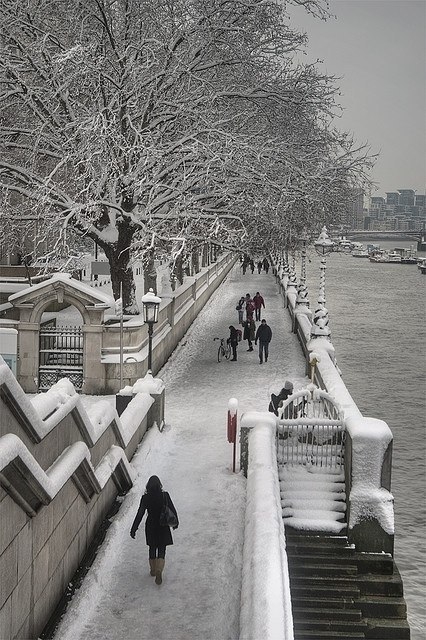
339, 593
336, 592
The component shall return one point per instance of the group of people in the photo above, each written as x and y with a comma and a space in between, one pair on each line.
157, 534
249, 263
249, 310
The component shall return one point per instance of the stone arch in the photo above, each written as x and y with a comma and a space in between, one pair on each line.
41, 306
32, 303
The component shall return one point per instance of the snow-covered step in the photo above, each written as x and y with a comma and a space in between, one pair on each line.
313, 498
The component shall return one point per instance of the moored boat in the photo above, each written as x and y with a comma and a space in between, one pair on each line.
360, 253
385, 256
394, 256
408, 256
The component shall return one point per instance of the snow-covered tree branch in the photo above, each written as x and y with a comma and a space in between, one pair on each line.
136, 122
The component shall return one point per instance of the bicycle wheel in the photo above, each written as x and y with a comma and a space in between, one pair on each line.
220, 354
228, 351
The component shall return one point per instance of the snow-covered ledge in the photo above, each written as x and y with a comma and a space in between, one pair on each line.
368, 450
265, 593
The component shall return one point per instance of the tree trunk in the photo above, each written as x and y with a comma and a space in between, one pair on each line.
179, 269
195, 261
150, 274
205, 259
118, 255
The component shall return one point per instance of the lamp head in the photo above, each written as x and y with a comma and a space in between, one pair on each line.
151, 304
323, 244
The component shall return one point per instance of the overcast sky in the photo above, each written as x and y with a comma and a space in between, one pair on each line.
378, 48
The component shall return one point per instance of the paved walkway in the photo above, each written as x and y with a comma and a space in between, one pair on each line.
199, 598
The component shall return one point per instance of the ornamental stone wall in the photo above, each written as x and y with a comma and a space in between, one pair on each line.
101, 351
60, 472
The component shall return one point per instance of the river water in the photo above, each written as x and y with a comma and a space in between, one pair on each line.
377, 320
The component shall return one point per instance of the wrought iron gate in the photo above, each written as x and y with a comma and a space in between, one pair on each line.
311, 430
60, 356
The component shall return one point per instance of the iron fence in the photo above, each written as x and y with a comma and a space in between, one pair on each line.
60, 355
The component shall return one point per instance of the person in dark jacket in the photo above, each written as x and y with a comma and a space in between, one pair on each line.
158, 536
249, 333
263, 336
233, 341
258, 304
278, 400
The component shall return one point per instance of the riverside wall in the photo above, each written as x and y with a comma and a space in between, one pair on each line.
369, 501
115, 352
178, 311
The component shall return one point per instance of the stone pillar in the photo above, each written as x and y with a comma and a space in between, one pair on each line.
93, 370
28, 356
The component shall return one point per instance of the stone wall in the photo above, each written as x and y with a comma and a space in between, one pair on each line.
61, 468
178, 311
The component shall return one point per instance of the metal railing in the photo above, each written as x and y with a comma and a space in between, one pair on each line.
60, 355
311, 430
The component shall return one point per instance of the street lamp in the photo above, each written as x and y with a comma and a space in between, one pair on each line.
323, 246
151, 304
302, 291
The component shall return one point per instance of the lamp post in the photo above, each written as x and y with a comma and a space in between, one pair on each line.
302, 290
323, 246
151, 305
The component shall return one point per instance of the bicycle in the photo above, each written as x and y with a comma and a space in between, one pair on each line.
224, 350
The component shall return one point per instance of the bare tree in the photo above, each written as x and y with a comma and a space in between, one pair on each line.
156, 125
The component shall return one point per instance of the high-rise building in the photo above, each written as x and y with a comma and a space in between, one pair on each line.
392, 198
406, 197
354, 210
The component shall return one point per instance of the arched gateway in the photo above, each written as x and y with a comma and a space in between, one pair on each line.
48, 351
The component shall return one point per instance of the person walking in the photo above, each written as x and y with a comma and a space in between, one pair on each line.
259, 266
263, 336
266, 264
233, 341
250, 308
249, 333
157, 536
240, 309
258, 304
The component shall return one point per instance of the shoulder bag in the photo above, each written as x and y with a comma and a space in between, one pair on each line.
167, 516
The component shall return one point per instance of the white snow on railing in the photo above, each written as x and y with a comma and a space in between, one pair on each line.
265, 594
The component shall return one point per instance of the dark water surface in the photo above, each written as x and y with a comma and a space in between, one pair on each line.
377, 320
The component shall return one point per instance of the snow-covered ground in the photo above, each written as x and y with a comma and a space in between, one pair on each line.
200, 594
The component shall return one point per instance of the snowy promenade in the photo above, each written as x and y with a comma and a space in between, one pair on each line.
200, 595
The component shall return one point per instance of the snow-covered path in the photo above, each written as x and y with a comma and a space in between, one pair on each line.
199, 597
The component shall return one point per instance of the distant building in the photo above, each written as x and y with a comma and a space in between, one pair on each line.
401, 210
406, 197
392, 198
353, 215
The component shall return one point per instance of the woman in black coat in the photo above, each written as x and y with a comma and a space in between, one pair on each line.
158, 536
